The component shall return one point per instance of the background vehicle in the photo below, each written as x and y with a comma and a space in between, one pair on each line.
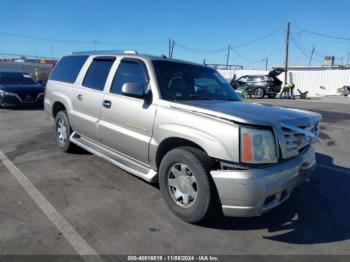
260, 85
181, 125
18, 89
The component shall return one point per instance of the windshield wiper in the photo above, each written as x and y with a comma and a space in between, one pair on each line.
200, 97
229, 99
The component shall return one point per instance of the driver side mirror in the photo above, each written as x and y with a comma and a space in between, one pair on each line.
133, 89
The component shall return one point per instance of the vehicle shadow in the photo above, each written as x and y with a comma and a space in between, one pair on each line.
317, 212
24, 107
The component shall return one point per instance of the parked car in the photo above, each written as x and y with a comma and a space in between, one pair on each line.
181, 125
259, 85
18, 89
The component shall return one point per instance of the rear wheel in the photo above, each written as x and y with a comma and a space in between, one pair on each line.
186, 184
63, 132
259, 92
271, 95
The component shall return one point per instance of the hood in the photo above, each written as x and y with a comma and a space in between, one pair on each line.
16, 88
249, 113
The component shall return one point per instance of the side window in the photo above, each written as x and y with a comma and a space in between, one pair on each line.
259, 79
243, 79
251, 79
68, 68
97, 73
129, 71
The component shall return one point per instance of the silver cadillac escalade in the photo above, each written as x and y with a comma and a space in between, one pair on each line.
181, 125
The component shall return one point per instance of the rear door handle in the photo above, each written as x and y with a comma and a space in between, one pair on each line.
107, 104
80, 97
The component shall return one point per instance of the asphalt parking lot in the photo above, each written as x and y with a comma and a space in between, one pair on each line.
112, 212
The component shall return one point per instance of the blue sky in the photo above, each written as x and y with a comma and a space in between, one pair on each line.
201, 25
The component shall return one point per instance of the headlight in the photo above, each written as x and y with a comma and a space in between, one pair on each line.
258, 146
4, 93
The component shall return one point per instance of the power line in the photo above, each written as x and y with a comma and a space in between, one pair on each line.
247, 58
26, 55
45, 39
326, 35
259, 39
302, 49
306, 51
223, 49
200, 51
95, 42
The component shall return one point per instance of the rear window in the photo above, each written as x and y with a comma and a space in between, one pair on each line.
68, 68
15, 78
97, 74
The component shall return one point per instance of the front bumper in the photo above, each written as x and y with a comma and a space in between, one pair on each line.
252, 192
16, 100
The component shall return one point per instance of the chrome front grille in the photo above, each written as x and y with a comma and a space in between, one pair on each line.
296, 140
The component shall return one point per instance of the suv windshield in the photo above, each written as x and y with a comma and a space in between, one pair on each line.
15, 78
181, 81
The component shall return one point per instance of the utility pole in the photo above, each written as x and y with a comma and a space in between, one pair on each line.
347, 60
204, 61
228, 56
287, 53
312, 54
169, 53
52, 51
266, 62
172, 49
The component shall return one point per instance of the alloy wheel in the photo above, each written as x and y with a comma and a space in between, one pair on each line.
61, 131
182, 185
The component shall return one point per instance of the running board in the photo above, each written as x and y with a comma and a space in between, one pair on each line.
114, 158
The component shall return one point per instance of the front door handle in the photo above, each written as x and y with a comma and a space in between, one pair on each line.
107, 104
80, 97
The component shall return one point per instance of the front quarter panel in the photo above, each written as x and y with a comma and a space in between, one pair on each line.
219, 138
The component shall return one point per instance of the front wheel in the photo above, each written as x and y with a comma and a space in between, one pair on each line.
259, 92
63, 132
186, 184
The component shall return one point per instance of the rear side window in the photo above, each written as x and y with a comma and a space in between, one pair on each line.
255, 78
68, 68
97, 73
129, 71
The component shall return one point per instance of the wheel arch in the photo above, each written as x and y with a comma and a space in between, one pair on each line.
57, 107
171, 143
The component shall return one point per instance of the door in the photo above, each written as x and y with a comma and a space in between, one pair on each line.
88, 97
126, 122
241, 82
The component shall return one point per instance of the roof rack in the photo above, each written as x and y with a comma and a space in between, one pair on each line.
105, 52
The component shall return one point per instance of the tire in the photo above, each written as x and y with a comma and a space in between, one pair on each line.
271, 95
259, 93
63, 131
192, 175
